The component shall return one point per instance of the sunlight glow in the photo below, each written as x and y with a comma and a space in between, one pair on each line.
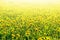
29, 2
33, 1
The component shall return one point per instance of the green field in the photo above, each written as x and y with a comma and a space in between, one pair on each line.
29, 22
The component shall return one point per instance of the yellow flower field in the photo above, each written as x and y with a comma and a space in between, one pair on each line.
30, 22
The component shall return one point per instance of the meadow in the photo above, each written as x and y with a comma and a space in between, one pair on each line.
29, 23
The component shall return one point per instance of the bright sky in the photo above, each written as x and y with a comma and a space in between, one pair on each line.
33, 1
29, 2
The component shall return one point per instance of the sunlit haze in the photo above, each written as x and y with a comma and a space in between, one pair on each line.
30, 1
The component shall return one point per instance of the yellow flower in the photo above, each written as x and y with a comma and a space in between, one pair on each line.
27, 33
39, 18
18, 35
58, 29
12, 30
14, 20
48, 38
29, 24
31, 20
36, 29
3, 25
13, 35
22, 18
40, 38
4, 32
44, 33
8, 24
